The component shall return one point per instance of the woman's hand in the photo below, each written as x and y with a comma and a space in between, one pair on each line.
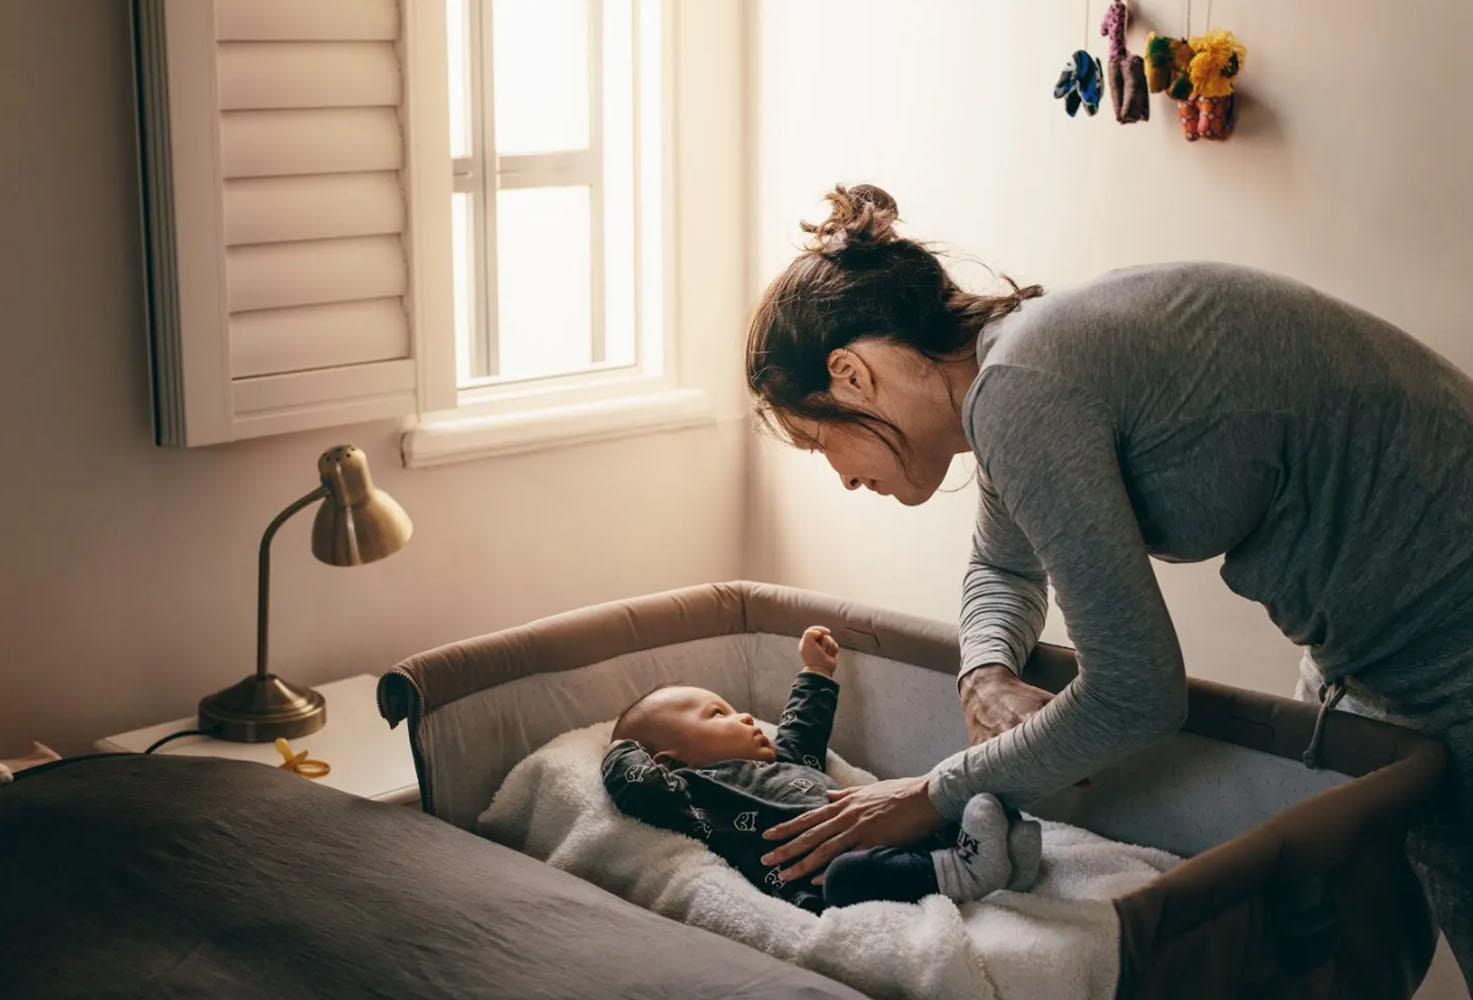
887, 813
994, 700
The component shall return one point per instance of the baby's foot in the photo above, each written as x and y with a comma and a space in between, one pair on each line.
979, 863
1025, 849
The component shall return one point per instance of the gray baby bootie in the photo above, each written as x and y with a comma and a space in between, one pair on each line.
1025, 850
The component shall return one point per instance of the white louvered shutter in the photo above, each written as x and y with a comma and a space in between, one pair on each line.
298, 261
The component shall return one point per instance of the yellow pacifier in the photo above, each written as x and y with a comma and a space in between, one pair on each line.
300, 763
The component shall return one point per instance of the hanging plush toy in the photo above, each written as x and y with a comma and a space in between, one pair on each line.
1080, 83
1127, 72
1167, 60
1208, 112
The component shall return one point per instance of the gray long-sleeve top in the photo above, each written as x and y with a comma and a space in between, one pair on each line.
1186, 411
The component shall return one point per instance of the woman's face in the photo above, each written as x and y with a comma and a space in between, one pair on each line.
914, 397
912, 394
862, 460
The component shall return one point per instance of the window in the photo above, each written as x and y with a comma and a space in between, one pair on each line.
556, 112
324, 249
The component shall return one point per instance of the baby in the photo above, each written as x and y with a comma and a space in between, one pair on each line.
685, 760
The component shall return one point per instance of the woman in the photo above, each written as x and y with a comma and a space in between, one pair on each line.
1181, 412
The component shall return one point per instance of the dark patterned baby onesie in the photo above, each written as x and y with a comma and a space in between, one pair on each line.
728, 804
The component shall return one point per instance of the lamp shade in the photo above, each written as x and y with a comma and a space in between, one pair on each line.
356, 523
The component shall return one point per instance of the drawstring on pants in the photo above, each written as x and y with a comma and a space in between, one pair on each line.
1335, 691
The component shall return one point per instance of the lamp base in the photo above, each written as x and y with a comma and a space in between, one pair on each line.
259, 709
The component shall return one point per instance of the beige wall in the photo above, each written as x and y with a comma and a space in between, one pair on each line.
1348, 171
128, 572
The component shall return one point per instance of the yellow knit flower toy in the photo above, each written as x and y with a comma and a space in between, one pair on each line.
1218, 57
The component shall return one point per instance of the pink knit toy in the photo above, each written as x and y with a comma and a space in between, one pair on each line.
1127, 72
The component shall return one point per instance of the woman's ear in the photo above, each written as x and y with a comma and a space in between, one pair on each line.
850, 378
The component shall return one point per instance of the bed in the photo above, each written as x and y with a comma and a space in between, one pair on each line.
132, 876
1295, 882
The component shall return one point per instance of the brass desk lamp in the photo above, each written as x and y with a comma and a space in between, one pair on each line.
356, 523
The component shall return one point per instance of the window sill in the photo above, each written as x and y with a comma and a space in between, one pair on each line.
441, 440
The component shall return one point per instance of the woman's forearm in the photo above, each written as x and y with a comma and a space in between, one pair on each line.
1070, 738
1002, 615
1004, 592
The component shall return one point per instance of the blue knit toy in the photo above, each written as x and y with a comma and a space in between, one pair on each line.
1080, 83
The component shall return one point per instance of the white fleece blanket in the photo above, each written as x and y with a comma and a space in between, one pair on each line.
1059, 941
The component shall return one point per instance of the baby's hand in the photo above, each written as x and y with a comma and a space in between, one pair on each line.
818, 650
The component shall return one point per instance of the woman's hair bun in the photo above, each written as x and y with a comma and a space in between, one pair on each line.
861, 218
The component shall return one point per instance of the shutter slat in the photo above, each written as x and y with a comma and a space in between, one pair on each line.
328, 20
337, 140
307, 389
274, 275
313, 207
307, 75
310, 337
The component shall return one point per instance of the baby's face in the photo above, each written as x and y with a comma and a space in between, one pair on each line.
697, 727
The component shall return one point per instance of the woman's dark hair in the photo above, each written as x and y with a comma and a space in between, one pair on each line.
856, 278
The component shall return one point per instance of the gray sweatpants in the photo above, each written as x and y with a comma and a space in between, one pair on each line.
1440, 843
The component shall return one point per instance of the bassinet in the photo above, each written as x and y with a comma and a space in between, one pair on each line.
1296, 885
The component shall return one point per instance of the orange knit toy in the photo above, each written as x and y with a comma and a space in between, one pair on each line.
1210, 110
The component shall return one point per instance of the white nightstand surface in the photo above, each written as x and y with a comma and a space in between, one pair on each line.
368, 758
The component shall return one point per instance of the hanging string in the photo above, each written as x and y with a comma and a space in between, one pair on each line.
1206, 27
1086, 25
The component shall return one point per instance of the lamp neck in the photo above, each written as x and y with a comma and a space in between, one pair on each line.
263, 593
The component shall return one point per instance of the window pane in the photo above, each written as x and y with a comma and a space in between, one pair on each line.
541, 75
457, 29
543, 288
463, 276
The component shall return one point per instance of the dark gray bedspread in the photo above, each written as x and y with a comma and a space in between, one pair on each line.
132, 876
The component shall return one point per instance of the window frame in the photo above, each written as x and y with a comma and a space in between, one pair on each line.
536, 413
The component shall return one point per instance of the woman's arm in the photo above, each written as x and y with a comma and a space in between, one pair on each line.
1004, 592
1004, 604
1051, 450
